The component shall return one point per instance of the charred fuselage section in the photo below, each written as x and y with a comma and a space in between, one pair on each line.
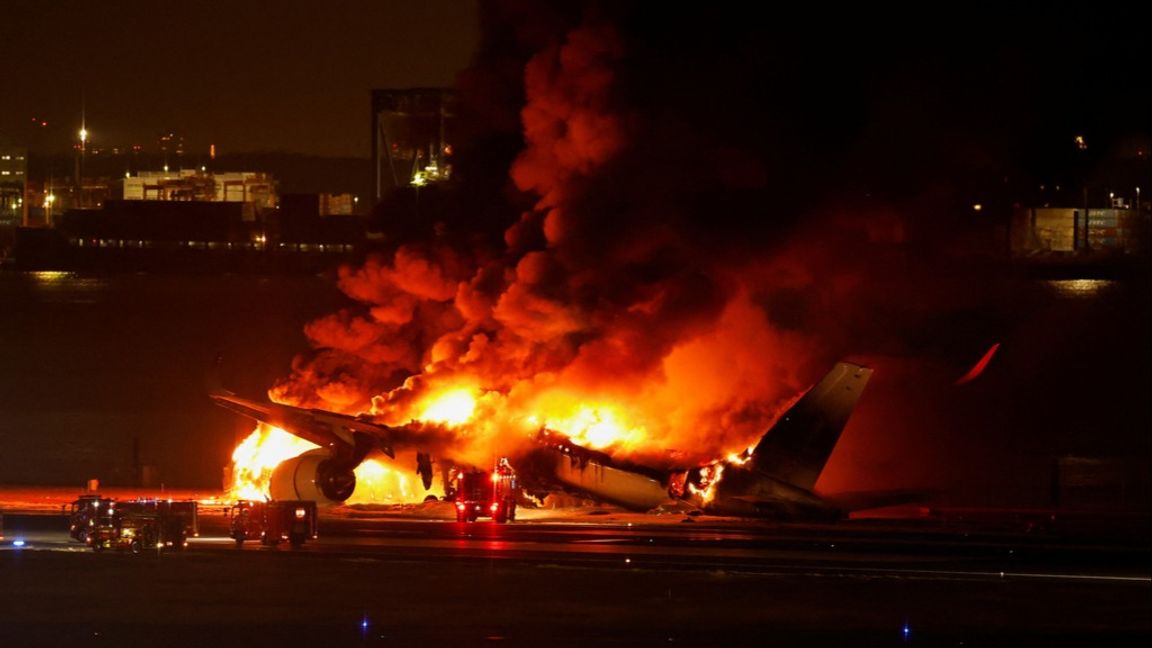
775, 479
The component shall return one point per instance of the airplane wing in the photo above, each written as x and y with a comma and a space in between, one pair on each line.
347, 439
327, 474
346, 436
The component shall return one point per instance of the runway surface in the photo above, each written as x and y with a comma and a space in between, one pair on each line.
593, 580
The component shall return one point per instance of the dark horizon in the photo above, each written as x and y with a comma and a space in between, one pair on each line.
289, 76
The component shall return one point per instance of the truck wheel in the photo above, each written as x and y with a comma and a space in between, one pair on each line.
296, 540
135, 547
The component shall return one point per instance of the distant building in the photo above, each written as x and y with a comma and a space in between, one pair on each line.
412, 135
338, 204
1069, 230
305, 221
13, 185
171, 149
257, 191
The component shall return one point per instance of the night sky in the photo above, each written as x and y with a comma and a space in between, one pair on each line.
247, 76
293, 76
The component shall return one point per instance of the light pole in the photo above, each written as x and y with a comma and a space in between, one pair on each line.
48, 200
80, 166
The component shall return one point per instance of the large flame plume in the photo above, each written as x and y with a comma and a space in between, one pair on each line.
637, 343
636, 306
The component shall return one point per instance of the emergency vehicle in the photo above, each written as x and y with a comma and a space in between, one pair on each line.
483, 494
82, 514
85, 512
137, 527
273, 522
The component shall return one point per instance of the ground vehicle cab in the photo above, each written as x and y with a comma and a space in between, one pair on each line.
273, 522
486, 494
82, 515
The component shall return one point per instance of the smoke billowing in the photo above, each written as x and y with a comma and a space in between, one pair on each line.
690, 255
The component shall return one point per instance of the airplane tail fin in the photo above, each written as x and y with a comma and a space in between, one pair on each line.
796, 448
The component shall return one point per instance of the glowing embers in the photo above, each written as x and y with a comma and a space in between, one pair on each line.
739, 458
453, 407
703, 483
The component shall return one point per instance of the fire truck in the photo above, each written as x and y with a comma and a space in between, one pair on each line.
139, 526
82, 515
85, 512
484, 494
273, 522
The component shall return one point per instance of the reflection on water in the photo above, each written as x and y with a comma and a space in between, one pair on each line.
1079, 288
51, 276
66, 287
100, 374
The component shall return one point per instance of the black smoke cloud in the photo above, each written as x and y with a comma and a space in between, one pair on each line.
689, 213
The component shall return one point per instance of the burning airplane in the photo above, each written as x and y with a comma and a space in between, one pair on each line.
647, 318
776, 477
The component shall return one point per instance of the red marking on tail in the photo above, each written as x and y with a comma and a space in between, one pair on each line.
979, 367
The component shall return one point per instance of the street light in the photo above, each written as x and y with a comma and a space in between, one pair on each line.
48, 200
80, 165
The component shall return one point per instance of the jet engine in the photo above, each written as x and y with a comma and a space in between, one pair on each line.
315, 476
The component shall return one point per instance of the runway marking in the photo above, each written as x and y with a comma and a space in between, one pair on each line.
1132, 579
991, 574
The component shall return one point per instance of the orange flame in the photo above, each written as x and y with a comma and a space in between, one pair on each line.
378, 481
597, 427
257, 456
709, 477
452, 407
